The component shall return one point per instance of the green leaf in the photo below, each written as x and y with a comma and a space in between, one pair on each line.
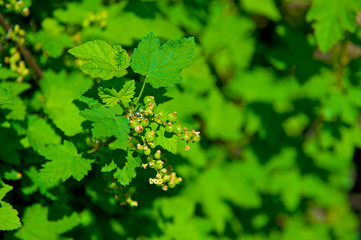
106, 123
4, 96
124, 175
162, 65
65, 162
37, 225
40, 133
166, 140
331, 19
111, 97
60, 90
52, 38
104, 61
263, 7
9, 219
16, 105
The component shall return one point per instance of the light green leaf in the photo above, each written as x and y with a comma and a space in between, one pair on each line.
65, 162
263, 7
331, 19
162, 65
9, 219
37, 226
40, 133
103, 60
106, 123
111, 97
169, 143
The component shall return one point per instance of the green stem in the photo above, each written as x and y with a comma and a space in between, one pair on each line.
141, 92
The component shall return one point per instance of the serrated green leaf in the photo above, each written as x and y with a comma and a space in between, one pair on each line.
37, 226
65, 162
16, 105
166, 140
162, 65
9, 219
106, 123
127, 173
111, 97
263, 7
103, 60
331, 19
124, 175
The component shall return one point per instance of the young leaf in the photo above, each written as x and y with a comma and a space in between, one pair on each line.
169, 143
162, 65
331, 19
65, 163
9, 219
37, 225
106, 123
125, 175
104, 61
111, 97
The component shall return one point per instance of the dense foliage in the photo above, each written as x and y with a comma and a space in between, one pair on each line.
99, 99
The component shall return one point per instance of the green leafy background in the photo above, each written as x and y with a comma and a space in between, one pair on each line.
274, 89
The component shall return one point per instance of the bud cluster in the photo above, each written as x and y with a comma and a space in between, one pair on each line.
15, 6
16, 64
96, 19
16, 34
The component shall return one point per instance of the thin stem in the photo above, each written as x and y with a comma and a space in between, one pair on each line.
141, 92
30, 60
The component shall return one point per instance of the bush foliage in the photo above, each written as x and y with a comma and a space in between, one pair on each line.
273, 87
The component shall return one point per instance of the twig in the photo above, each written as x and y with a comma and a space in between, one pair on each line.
30, 60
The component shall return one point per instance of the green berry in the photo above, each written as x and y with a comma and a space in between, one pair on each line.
149, 136
147, 151
186, 136
196, 138
169, 128
178, 129
145, 122
133, 124
152, 145
172, 117
148, 99
157, 154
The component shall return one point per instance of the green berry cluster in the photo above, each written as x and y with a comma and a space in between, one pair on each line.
143, 139
16, 34
15, 6
16, 64
96, 19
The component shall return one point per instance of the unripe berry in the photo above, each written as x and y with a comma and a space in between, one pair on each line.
152, 145
172, 117
196, 138
132, 124
139, 129
187, 148
149, 136
169, 128
186, 136
147, 152
178, 129
148, 99
157, 154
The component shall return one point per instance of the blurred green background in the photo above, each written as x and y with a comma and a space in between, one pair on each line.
274, 90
